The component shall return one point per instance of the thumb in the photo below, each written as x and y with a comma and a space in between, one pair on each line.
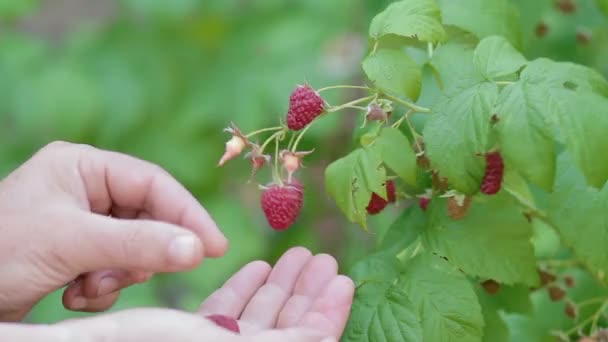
98, 242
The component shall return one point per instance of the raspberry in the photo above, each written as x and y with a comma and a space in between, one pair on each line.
570, 282
282, 204
225, 322
491, 287
571, 310
566, 6
423, 202
458, 209
546, 277
377, 204
492, 180
556, 293
541, 29
304, 106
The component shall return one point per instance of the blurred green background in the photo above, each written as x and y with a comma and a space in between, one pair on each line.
160, 80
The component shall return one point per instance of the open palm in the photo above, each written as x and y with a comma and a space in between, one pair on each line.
301, 291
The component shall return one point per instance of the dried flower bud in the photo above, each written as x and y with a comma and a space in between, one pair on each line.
235, 145
292, 161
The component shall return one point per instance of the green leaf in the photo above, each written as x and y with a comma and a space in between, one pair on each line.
454, 64
527, 141
513, 298
457, 132
495, 328
444, 299
579, 212
602, 6
377, 267
409, 18
575, 101
396, 152
393, 71
484, 18
382, 312
491, 241
496, 57
351, 181
405, 230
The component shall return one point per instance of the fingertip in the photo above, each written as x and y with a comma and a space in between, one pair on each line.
185, 251
217, 248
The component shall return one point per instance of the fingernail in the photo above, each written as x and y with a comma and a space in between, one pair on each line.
79, 303
106, 286
183, 249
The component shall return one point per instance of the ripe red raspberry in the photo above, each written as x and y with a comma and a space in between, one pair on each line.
492, 180
377, 204
282, 204
225, 322
424, 202
304, 106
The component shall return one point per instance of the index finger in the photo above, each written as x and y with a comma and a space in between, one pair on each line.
117, 181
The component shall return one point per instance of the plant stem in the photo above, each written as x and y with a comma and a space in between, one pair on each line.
291, 140
592, 301
276, 161
375, 48
294, 148
264, 130
344, 87
597, 315
269, 140
350, 104
416, 108
429, 49
504, 83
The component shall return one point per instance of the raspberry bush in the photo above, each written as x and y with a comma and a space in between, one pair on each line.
496, 161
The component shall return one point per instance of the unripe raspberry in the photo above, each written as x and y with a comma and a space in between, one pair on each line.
235, 145
492, 180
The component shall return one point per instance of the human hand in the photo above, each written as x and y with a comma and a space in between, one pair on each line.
301, 299
76, 210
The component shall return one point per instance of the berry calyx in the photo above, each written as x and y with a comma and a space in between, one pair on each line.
583, 36
292, 161
458, 206
225, 322
258, 159
377, 204
569, 281
492, 179
282, 204
546, 277
305, 104
571, 310
234, 146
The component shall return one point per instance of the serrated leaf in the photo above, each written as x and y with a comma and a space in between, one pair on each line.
411, 19
405, 230
579, 212
454, 64
492, 241
396, 152
483, 18
382, 312
375, 268
575, 101
457, 132
351, 181
444, 299
394, 72
496, 57
527, 141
